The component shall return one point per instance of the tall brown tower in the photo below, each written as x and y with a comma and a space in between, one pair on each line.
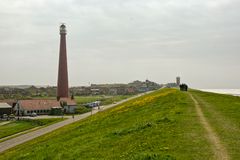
62, 86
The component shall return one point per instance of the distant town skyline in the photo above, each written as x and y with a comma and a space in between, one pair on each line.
115, 41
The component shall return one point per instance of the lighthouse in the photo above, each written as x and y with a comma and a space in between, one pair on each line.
62, 85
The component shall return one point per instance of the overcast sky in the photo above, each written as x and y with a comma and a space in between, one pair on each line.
118, 41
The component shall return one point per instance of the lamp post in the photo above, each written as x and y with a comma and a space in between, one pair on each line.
18, 110
62, 112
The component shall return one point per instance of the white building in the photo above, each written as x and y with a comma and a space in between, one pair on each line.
5, 109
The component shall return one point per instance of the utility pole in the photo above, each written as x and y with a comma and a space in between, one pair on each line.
18, 110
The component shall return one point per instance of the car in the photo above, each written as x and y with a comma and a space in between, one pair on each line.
33, 114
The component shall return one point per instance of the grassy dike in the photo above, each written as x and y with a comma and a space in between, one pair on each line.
223, 114
161, 125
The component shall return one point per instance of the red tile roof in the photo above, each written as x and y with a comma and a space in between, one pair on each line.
44, 104
38, 104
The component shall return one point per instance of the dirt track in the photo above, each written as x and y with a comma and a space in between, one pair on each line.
220, 152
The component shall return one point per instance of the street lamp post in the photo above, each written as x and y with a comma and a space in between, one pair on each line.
18, 110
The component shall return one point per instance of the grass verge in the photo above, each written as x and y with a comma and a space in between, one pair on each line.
15, 127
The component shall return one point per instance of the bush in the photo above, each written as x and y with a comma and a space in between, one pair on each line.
82, 109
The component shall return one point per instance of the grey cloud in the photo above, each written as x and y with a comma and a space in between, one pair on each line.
120, 41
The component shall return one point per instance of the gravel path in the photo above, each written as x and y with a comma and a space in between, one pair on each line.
31, 135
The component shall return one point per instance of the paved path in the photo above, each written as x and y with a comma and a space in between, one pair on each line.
31, 135
219, 150
3, 123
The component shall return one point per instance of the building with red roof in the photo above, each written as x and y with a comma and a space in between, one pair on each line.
44, 106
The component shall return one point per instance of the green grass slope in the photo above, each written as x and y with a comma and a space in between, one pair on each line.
161, 125
223, 114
